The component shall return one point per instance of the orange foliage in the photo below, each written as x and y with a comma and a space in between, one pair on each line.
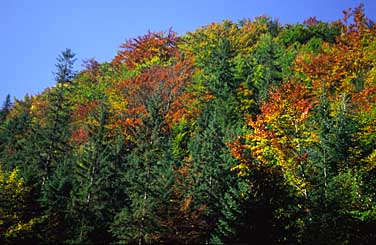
346, 65
92, 69
143, 49
166, 83
81, 117
79, 136
279, 134
365, 100
82, 111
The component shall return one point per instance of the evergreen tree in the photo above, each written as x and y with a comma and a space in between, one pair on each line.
7, 106
94, 195
148, 175
332, 172
267, 71
56, 133
15, 137
219, 123
235, 133
52, 150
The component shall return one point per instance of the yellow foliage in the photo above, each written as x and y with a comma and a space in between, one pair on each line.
371, 161
13, 193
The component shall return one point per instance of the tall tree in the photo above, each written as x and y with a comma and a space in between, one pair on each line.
94, 198
55, 131
148, 170
51, 143
211, 159
155, 100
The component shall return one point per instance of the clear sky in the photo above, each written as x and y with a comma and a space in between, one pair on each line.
34, 32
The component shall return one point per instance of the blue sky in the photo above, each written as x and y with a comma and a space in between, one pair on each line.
34, 32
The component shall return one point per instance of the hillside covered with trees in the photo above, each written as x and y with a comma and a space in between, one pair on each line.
251, 132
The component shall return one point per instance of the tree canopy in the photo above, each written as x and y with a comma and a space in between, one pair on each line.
247, 132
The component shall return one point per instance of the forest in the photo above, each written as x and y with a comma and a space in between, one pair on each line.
251, 132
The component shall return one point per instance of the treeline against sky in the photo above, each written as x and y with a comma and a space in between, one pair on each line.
251, 132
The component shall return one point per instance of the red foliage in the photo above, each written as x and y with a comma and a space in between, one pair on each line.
167, 83
79, 136
140, 50
311, 21
337, 66
365, 100
92, 68
83, 110
292, 98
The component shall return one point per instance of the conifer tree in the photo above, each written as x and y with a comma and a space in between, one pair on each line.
247, 132
7, 106
148, 172
94, 186
332, 171
267, 71
15, 137
56, 133
51, 143
219, 123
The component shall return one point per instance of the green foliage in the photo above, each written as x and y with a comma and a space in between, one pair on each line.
268, 65
249, 132
53, 135
94, 199
18, 220
7, 106
303, 33
147, 175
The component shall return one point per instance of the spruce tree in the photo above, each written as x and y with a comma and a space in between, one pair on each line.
7, 106
15, 137
332, 170
219, 123
147, 176
53, 152
267, 70
94, 186
56, 133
